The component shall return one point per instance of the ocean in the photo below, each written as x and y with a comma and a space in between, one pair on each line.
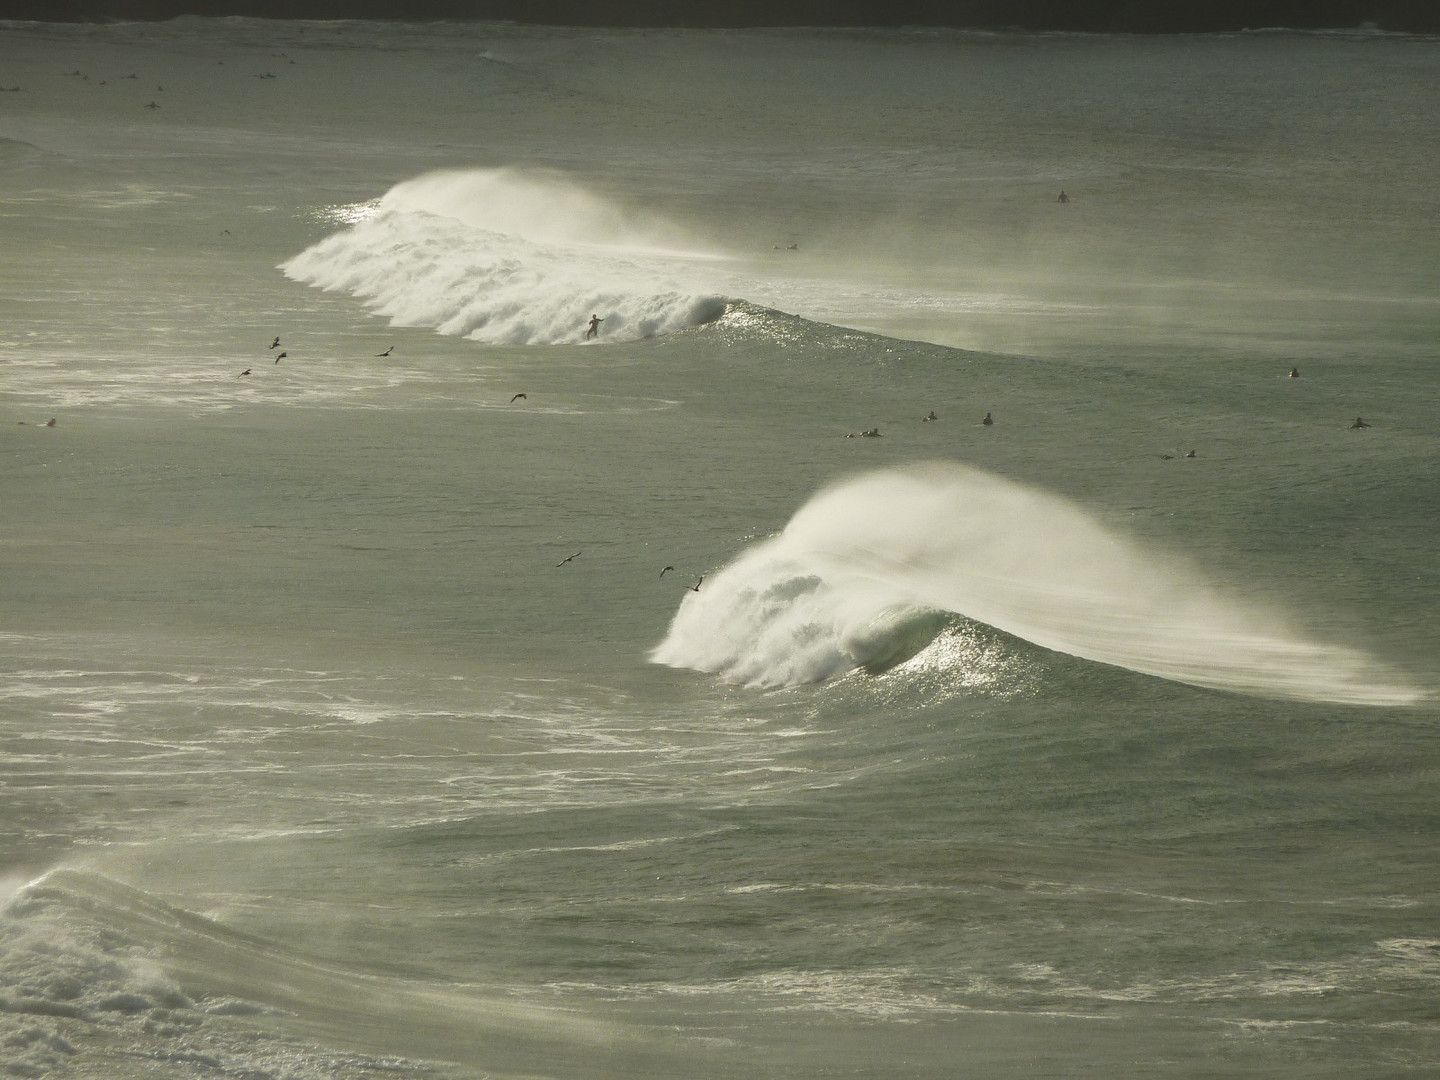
932, 628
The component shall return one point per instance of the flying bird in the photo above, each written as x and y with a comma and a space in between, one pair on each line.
662, 572
696, 586
245, 372
562, 562
281, 357
518, 397
387, 352
276, 343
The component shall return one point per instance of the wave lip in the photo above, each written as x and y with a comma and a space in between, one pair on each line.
889, 548
512, 257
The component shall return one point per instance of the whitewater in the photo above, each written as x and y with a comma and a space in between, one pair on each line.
931, 627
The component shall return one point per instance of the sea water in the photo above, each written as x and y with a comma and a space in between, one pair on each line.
438, 692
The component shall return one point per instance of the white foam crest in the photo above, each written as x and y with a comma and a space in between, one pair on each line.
512, 257
854, 574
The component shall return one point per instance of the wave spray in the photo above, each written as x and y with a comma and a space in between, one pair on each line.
512, 257
870, 562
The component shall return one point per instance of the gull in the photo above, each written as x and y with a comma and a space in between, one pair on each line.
276, 343
245, 372
387, 352
281, 357
518, 397
696, 586
662, 572
562, 562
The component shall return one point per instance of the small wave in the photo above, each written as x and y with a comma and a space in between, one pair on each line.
164, 983
871, 566
511, 257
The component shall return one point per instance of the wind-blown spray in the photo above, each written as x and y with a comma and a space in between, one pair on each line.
867, 564
511, 257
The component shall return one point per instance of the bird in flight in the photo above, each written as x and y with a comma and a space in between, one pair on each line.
696, 586
387, 352
563, 561
281, 357
276, 343
662, 572
245, 372
518, 397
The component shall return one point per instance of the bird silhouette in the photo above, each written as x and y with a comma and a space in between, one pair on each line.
562, 562
281, 357
662, 572
696, 586
518, 397
245, 372
387, 352
276, 343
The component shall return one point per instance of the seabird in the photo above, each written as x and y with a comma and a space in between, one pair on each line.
276, 343
387, 352
245, 372
1359, 423
281, 357
518, 397
562, 562
662, 572
696, 586
152, 104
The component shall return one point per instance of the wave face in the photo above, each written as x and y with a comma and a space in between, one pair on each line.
862, 565
511, 257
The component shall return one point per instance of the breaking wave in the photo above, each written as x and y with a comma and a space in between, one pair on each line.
859, 575
512, 257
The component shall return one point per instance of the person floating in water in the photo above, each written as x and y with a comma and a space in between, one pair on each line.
1294, 373
988, 421
1359, 423
1063, 197
594, 330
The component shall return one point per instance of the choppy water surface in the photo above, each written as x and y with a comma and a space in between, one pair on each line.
394, 681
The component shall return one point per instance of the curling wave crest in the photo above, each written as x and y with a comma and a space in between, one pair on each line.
865, 566
512, 257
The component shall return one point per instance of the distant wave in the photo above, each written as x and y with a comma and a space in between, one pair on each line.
511, 257
863, 568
